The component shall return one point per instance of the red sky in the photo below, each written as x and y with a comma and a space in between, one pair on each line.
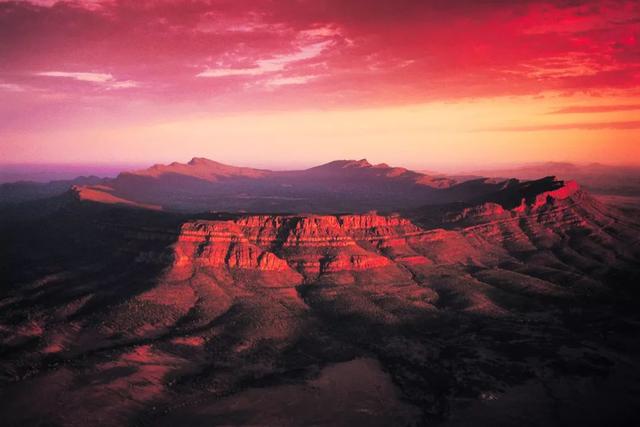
415, 82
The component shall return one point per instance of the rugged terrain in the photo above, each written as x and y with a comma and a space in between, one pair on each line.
335, 187
482, 303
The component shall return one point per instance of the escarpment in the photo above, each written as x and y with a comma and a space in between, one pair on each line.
309, 244
320, 245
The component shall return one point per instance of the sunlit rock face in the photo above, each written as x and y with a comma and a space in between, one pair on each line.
315, 245
311, 244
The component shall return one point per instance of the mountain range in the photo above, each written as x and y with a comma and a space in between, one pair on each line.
344, 294
206, 185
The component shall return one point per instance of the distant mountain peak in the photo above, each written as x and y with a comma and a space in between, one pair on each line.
198, 161
343, 164
362, 163
198, 167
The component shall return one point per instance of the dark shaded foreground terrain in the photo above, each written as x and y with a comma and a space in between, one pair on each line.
517, 309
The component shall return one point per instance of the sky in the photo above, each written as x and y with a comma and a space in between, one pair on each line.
438, 84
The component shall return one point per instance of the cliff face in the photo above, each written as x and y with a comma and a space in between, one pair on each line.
204, 185
309, 244
324, 245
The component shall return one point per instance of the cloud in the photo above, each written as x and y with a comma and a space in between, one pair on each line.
88, 4
104, 79
294, 80
587, 109
83, 77
124, 84
367, 52
226, 72
11, 87
621, 125
271, 65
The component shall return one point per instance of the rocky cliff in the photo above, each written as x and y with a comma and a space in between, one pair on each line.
311, 244
320, 245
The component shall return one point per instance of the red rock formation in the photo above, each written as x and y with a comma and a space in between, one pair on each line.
222, 244
354, 262
344, 249
311, 244
567, 190
316, 245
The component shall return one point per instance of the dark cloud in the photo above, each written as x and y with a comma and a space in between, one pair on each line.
633, 124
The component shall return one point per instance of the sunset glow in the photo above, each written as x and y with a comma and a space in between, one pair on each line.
319, 212
293, 83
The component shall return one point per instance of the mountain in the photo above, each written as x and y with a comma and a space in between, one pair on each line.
199, 168
598, 178
22, 191
490, 302
205, 185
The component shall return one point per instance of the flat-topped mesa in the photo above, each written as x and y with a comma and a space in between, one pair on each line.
310, 230
345, 230
219, 244
311, 244
303, 229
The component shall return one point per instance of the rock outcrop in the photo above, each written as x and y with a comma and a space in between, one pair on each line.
324, 245
311, 244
